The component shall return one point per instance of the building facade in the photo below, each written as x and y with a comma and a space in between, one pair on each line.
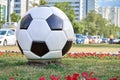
111, 13
89, 5
81, 7
3, 10
19, 6
74, 3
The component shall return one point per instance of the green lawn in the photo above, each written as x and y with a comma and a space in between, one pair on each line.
15, 66
97, 45
95, 48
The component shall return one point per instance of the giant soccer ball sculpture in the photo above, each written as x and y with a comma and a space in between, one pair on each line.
44, 33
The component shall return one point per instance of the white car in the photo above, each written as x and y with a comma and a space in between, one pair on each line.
7, 37
97, 39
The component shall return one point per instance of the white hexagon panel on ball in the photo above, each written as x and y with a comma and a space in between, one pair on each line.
44, 33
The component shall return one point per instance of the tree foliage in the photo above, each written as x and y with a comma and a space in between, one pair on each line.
96, 25
67, 9
43, 2
14, 17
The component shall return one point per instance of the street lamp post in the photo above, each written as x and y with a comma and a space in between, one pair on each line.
8, 10
86, 7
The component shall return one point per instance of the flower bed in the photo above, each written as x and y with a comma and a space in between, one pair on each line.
91, 55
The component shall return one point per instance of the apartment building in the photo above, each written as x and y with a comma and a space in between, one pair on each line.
19, 6
89, 5
74, 3
81, 7
111, 13
3, 10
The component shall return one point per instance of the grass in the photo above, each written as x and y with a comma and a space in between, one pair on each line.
95, 48
15, 66
97, 45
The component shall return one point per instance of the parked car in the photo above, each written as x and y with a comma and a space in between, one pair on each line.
91, 39
105, 40
81, 39
97, 39
7, 37
116, 41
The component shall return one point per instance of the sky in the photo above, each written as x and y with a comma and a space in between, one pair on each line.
109, 3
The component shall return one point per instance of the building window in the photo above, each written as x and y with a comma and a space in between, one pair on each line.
17, 5
77, 19
77, 2
76, 6
17, 11
76, 10
17, 0
77, 14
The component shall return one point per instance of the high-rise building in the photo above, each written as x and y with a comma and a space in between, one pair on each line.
3, 10
20, 6
111, 13
74, 3
81, 7
89, 5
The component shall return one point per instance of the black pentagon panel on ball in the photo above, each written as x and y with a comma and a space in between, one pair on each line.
25, 22
55, 22
39, 48
67, 47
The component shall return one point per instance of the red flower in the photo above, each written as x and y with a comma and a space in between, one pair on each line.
55, 77
91, 74
11, 78
85, 74
42, 78
68, 77
1, 53
75, 76
115, 78
101, 55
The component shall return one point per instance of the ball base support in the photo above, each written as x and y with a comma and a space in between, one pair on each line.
45, 62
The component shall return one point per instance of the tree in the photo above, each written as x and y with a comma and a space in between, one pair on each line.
67, 9
34, 4
43, 2
94, 24
78, 27
14, 17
